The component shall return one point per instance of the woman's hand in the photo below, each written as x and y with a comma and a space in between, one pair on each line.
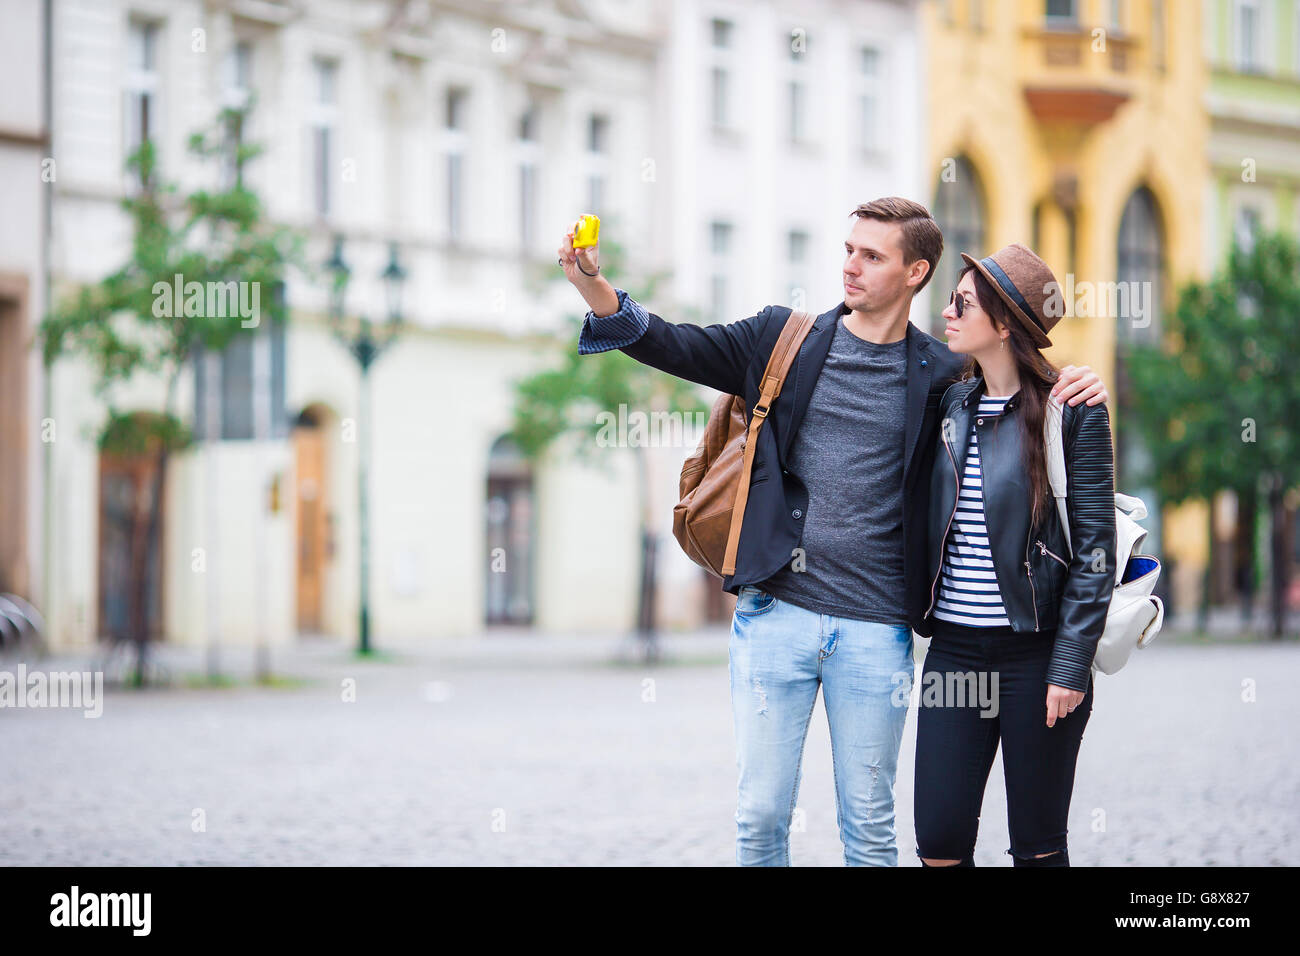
1061, 701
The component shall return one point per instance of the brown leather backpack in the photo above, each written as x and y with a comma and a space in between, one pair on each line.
714, 484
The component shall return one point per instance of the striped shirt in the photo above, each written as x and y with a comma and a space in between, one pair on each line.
968, 588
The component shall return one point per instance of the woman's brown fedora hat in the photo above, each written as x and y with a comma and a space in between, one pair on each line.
1025, 283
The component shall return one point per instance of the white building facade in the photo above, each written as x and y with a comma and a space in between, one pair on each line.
723, 143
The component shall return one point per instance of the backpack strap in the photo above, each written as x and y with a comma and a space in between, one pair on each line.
1053, 423
795, 330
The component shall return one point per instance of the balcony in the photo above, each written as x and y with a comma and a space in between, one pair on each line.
1074, 77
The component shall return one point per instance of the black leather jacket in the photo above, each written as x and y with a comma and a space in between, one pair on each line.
1041, 586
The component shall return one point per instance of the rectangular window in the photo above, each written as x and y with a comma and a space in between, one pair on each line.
237, 388
868, 99
454, 108
718, 97
455, 120
527, 204
720, 238
796, 112
321, 165
721, 34
239, 391
867, 113
323, 121
1246, 17
279, 334
597, 134
455, 191
142, 85
238, 85
1295, 62
797, 247
529, 159
236, 94
796, 259
1061, 12
528, 125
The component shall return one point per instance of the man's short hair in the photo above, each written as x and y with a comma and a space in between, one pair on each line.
922, 237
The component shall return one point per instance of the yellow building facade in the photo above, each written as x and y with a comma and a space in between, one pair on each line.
1078, 127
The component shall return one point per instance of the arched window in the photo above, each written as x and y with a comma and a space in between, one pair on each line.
959, 210
1139, 272
1139, 260
509, 584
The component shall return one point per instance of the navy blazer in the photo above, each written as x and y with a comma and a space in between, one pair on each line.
731, 357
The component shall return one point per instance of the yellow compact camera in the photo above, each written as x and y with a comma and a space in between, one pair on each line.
586, 231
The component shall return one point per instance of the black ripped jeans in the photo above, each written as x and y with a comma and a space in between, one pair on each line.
981, 686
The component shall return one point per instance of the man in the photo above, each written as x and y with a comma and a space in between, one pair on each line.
830, 571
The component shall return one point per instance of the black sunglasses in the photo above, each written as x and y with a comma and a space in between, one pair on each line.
958, 302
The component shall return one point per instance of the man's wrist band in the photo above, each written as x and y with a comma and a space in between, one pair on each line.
560, 262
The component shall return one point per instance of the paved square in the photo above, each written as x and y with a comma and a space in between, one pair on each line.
535, 751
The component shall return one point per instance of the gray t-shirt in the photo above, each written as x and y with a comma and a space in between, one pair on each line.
848, 452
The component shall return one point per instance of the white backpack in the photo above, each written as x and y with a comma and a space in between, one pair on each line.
1135, 613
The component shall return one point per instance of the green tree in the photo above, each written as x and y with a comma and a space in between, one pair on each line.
127, 325
1216, 401
568, 398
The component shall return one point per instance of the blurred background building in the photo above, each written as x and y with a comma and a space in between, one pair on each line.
461, 138
1078, 127
722, 143
1252, 52
24, 203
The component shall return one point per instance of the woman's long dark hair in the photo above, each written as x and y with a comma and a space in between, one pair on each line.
1037, 376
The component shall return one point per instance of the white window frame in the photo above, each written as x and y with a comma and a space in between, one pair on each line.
1295, 38
236, 93
528, 153
719, 291
797, 100
869, 87
323, 117
455, 147
597, 161
797, 240
1243, 60
721, 61
142, 83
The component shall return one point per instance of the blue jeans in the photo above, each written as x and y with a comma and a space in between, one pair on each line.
779, 654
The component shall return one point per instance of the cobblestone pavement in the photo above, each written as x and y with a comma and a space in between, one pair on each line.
548, 751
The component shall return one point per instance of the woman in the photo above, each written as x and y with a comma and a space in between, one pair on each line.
1015, 618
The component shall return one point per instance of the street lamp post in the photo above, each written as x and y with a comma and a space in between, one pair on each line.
365, 345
